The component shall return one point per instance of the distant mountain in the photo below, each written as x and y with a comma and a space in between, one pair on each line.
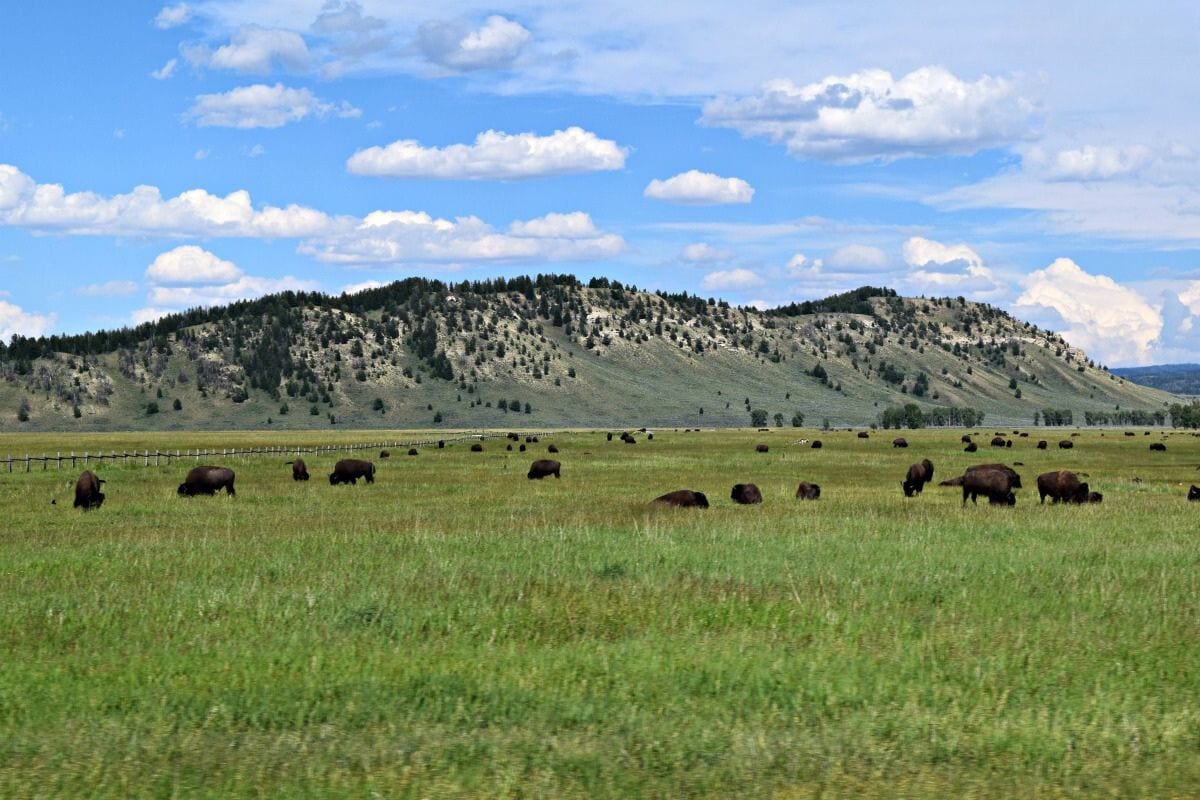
1174, 378
553, 351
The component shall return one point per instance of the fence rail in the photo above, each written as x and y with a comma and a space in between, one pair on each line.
74, 460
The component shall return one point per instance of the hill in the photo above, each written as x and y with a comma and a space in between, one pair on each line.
553, 351
1174, 378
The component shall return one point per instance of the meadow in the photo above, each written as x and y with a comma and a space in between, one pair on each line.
456, 630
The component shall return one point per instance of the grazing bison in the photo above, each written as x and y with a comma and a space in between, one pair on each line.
899, 441
998, 441
918, 476
1194, 493
551, 449
1008, 443
1158, 447
299, 470
1012, 473
762, 448
477, 448
1062, 486
610, 436
207, 480
864, 435
630, 440
966, 438
385, 454
349, 470
971, 447
412, 451
1042, 444
87, 491
544, 467
808, 491
1065, 444
745, 494
521, 447
512, 436
1130, 433
994, 484
649, 435
816, 445
682, 498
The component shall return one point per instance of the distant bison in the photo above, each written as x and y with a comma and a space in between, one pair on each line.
477, 448
299, 470
385, 454
1130, 433
745, 494
762, 448
649, 435
1008, 443
1065, 444
971, 447
998, 441
1158, 447
966, 438
682, 498
864, 435
610, 436
1095, 497
551, 449
918, 475
508, 448
816, 445
544, 467
994, 484
441, 443
808, 491
87, 491
899, 441
349, 470
1194, 493
1062, 486
207, 480
412, 451
1042, 445
512, 436
521, 447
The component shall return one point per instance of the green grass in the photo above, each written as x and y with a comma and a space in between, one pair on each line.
457, 630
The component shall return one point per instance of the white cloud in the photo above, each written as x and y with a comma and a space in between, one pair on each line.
705, 253
255, 49
255, 151
872, 116
246, 287
46, 207
108, 289
495, 45
495, 155
858, 258
200, 155
800, 265
699, 188
191, 264
1110, 322
173, 16
731, 280
16, 320
262, 106
399, 237
1088, 163
1190, 297
940, 268
355, 288
141, 316
165, 71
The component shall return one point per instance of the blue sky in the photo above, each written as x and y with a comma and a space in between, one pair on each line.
1041, 159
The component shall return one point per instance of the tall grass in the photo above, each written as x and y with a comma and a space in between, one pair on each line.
458, 630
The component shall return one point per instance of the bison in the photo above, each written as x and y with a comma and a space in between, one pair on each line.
1095, 497
299, 470
1194, 493
971, 447
745, 494
207, 480
918, 475
1042, 444
544, 467
682, 498
1158, 447
998, 441
816, 445
412, 451
521, 448
551, 449
864, 435
994, 484
1065, 444
385, 454
477, 448
1062, 486
87, 491
762, 448
899, 441
1012, 473
966, 438
808, 491
349, 470
441, 444
610, 436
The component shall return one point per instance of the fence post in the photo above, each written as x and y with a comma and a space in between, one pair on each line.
27, 462
59, 454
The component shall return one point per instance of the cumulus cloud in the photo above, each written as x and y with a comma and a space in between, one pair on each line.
16, 320
262, 106
455, 46
1089, 163
938, 267
495, 155
732, 280
46, 207
704, 253
246, 287
871, 116
800, 265
1109, 321
165, 71
172, 16
858, 258
108, 289
699, 188
355, 288
396, 237
191, 264
256, 50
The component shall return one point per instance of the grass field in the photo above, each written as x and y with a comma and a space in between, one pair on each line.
455, 630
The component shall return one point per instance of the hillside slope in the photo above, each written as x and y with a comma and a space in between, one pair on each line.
550, 351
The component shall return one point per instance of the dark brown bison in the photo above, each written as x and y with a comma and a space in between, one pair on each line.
1095, 497
299, 470
1065, 444
808, 491
508, 447
512, 436
1062, 486
745, 494
1023, 435
544, 467
649, 435
521, 448
1130, 433
966, 438
899, 441
864, 435
1012, 473
412, 451
87, 491
998, 441
477, 448
207, 480
551, 449
441, 444
610, 436
762, 448
385, 453
682, 498
971, 447
1158, 447
816, 445
994, 484
1008, 443
918, 476
1194, 493
349, 470
1042, 444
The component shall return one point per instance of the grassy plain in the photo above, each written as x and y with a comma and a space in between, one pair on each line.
455, 630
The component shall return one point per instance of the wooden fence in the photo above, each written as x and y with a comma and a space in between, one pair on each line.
156, 457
